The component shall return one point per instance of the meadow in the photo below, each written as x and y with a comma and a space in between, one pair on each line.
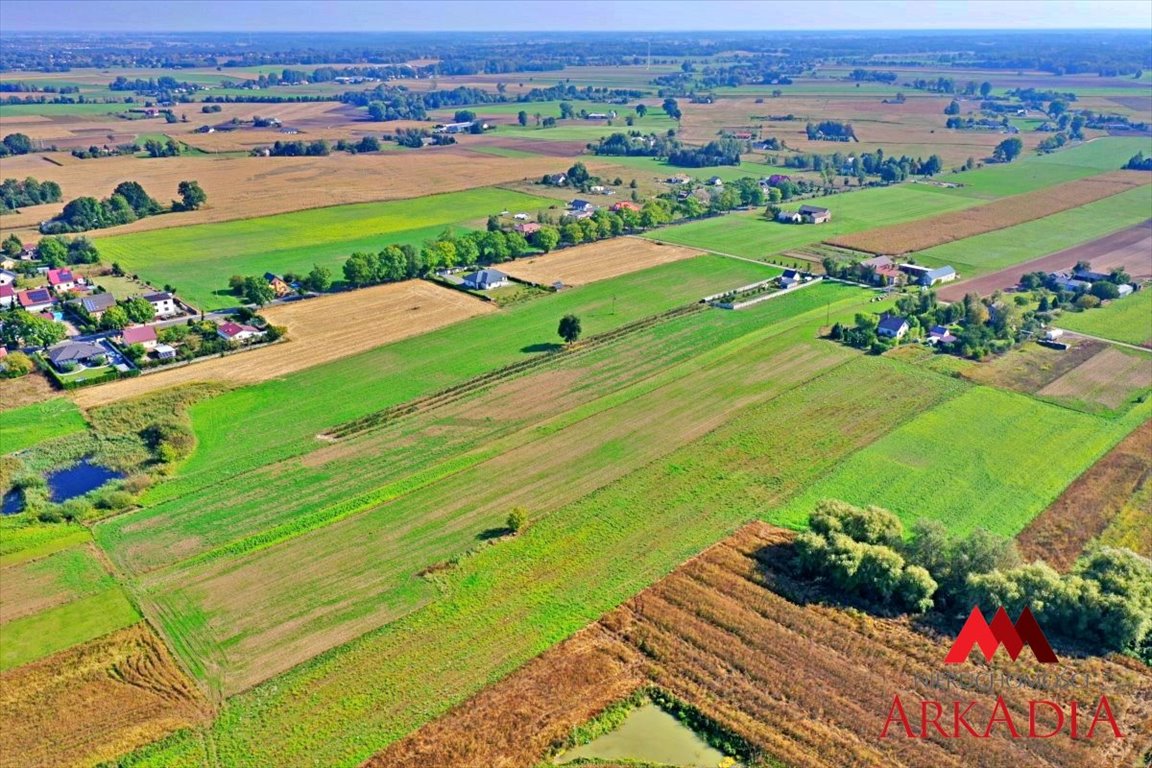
970, 462
23, 427
1128, 320
198, 260
991, 251
506, 603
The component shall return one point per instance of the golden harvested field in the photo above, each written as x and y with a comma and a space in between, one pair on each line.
957, 225
95, 702
1110, 378
319, 330
245, 187
802, 684
1091, 503
597, 261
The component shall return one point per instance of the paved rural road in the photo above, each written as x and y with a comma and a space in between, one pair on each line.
705, 250
1106, 341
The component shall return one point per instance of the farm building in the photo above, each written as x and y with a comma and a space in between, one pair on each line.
1053, 333
529, 228
164, 352
1088, 276
715, 181
928, 276
278, 286
36, 299
61, 280
144, 335
453, 128
789, 217
1064, 283
790, 279
238, 332
892, 327
7, 277
1125, 290
485, 279
163, 303
815, 215
581, 206
74, 352
556, 179
98, 303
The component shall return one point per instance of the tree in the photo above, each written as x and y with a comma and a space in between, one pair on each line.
985, 89
1104, 289
578, 174
953, 108
236, 284
932, 166
464, 116
319, 279
257, 291
191, 195
641, 111
139, 310
517, 518
546, 238
114, 318
12, 245
16, 364
1008, 150
360, 269
566, 110
20, 327
522, 118
17, 144
569, 328
672, 108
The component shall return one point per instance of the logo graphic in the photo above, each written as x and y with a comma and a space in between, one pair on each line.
989, 637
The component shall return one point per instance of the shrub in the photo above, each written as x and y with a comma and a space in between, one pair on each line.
517, 519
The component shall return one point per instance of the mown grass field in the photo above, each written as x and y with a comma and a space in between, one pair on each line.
1128, 320
509, 602
199, 259
991, 251
988, 459
25, 426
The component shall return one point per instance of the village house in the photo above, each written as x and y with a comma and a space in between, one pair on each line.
144, 335
278, 286
625, 205
892, 327
163, 303
790, 279
529, 228
7, 296
73, 352
715, 181
1062, 282
28, 253
940, 334
485, 279
36, 299
453, 128
815, 215
98, 303
679, 179
61, 280
521, 217
581, 206
884, 268
1088, 276
237, 332
7, 277
556, 179
164, 352
929, 276
788, 217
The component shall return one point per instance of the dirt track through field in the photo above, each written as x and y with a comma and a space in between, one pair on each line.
1129, 248
319, 330
597, 261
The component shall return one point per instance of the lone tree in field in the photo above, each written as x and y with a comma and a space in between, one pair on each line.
1008, 150
191, 195
517, 519
569, 329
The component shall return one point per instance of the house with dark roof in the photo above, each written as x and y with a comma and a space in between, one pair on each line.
1088, 276
36, 299
278, 285
75, 352
163, 303
790, 279
485, 280
813, 214
7, 277
98, 303
581, 206
892, 327
940, 334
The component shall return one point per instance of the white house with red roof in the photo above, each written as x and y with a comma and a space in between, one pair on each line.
36, 299
7, 296
237, 332
61, 280
7, 277
144, 335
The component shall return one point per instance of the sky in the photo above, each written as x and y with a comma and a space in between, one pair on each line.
527, 15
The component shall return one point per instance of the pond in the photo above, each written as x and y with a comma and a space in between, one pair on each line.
78, 480
13, 502
649, 734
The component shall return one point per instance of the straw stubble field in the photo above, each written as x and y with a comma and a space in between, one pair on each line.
596, 261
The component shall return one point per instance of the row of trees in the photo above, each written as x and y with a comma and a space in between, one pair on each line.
17, 194
1138, 162
127, 203
16, 144
830, 130
19, 328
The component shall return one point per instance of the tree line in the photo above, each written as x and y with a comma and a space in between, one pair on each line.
18, 194
127, 203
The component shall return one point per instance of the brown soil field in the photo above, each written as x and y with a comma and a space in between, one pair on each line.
535, 146
1090, 504
1029, 368
243, 187
1109, 378
957, 225
1128, 248
24, 391
803, 684
95, 702
596, 261
317, 333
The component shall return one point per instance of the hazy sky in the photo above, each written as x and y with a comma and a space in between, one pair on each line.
630, 15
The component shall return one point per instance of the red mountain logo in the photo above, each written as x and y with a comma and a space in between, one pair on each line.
1001, 631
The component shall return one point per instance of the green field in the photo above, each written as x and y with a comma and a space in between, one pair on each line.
61, 110
988, 459
22, 539
974, 256
31, 424
509, 602
752, 236
199, 259
1128, 319
662, 170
